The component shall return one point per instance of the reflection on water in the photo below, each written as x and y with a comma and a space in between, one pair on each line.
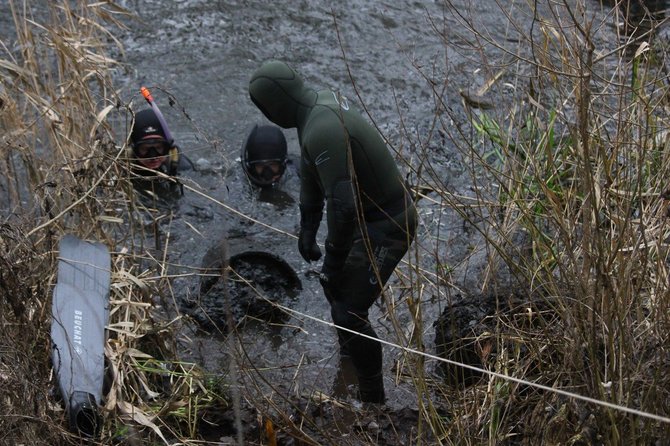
277, 197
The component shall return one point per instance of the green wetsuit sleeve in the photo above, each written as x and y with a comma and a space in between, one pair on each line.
310, 190
326, 144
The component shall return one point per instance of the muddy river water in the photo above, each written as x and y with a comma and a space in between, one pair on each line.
201, 54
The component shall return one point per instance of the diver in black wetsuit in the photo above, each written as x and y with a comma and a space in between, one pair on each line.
264, 155
152, 153
371, 218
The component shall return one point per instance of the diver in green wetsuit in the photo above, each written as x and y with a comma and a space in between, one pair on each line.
371, 218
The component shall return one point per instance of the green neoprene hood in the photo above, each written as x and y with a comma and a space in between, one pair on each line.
279, 92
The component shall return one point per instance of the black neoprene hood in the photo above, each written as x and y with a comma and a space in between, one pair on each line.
265, 142
278, 91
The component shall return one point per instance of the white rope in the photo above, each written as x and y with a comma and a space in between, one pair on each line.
496, 374
449, 361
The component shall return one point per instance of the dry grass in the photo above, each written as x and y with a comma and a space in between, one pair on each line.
570, 177
63, 172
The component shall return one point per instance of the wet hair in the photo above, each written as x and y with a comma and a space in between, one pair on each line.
265, 144
146, 128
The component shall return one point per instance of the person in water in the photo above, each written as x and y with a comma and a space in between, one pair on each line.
152, 152
264, 155
371, 219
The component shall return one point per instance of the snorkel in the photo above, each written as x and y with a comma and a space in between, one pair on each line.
147, 95
173, 151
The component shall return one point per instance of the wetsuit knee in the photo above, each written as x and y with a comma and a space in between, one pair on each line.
344, 316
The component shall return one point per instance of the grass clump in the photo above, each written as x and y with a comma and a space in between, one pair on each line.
569, 179
63, 170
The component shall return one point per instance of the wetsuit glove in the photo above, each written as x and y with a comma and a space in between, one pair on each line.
333, 264
310, 219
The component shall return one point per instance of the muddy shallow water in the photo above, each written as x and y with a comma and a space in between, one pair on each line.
201, 53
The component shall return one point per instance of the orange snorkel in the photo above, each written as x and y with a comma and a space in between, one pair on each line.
147, 95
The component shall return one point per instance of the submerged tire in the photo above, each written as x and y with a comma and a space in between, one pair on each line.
253, 285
